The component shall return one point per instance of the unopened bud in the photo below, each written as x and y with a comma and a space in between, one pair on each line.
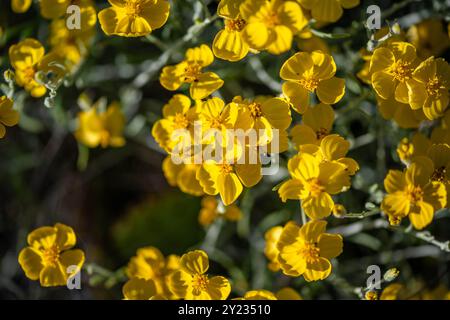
391, 274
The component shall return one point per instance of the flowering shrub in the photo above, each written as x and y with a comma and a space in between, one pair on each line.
175, 134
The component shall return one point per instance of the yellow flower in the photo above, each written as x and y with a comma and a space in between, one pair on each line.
271, 251
226, 179
229, 43
54, 9
308, 73
314, 182
183, 176
25, 57
20, 6
430, 88
417, 146
8, 116
429, 37
271, 24
192, 283
140, 289
150, 264
48, 258
190, 71
265, 114
392, 70
177, 115
328, 10
211, 210
371, 295
308, 42
440, 155
316, 124
333, 148
412, 193
105, 129
133, 18
307, 250
401, 113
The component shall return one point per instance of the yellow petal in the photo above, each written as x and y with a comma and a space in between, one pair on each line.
296, 66
201, 55
195, 262
424, 218
207, 83
139, 289
258, 36
327, 10
297, 95
52, 276
229, 187
331, 91
65, 237
291, 189
318, 206
156, 13
384, 84
31, 262
318, 270
218, 288
330, 245
394, 181
282, 41
229, 45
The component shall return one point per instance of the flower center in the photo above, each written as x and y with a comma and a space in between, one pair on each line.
50, 256
191, 72
180, 121
255, 110
309, 84
415, 194
439, 175
310, 252
29, 73
235, 24
226, 168
433, 86
401, 70
321, 133
133, 8
315, 187
271, 19
200, 282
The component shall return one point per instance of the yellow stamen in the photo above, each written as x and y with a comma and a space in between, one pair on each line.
433, 87
310, 252
191, 72
315, 187
50, 256
235, 24
402, 70
200, 282
255, 110
309, 84
439, 175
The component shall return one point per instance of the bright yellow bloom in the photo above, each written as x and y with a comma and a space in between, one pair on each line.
333, 148
308, 42
307, 250
412, 193
401, 113
8, 116
140, 289
430, 88
48, 258
211, 210
190, 71
429, 37
134, 18
265, 114
228, 179
271, 24
392, 70
314, 182
183, 176
328, 10
308, 73
150, 264
229, 43
21, 6
25, 57
101, 129
177, 115
192, 283
316, 124
271, 251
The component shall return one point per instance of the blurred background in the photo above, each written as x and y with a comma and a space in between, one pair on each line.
117, 199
